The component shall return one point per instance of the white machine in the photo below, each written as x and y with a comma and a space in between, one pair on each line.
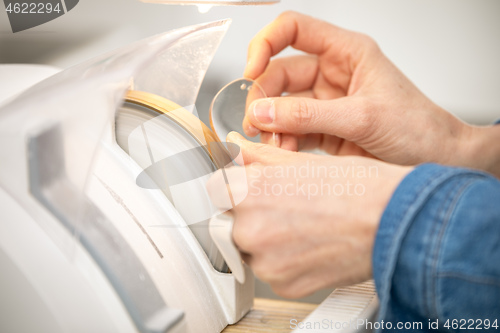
105, 223
83, 248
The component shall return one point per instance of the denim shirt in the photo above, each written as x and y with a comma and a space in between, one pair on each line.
436, 258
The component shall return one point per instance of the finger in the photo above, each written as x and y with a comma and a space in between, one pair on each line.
312, 141
248, 128
289, 142
345, 117
292, 74
266, 137
299, 31
292, 142
273, 139
247, 258
255, 91
300, 76
305, 93
228, 187
326, 143
253, 131
259, 152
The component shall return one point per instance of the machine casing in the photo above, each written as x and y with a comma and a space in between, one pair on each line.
82, 247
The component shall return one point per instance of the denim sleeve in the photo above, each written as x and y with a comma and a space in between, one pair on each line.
437, 251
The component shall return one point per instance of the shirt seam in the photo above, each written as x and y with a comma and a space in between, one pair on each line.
474, 279
448, 208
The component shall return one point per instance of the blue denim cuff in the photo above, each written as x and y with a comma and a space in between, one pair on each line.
431, 226
406, 202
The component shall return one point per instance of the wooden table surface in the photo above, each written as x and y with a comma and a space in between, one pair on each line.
271, 316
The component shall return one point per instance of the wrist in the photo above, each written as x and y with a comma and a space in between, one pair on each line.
391, 178
481, 149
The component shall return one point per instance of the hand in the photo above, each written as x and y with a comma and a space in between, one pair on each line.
308, 221
347, 98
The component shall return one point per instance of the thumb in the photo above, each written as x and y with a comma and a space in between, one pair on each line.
343, 117
259, 152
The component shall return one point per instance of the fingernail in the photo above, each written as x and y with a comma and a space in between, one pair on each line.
232, 137
264, 111
253, 130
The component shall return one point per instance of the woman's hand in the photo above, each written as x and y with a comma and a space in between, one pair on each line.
346, 98
308, 222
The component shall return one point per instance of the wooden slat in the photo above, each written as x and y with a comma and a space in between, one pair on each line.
271, 316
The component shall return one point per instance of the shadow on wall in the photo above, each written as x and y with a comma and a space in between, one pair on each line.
39, 48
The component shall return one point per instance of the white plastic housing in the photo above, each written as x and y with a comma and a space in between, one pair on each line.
77, 233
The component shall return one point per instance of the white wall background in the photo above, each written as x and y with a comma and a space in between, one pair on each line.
449, 48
